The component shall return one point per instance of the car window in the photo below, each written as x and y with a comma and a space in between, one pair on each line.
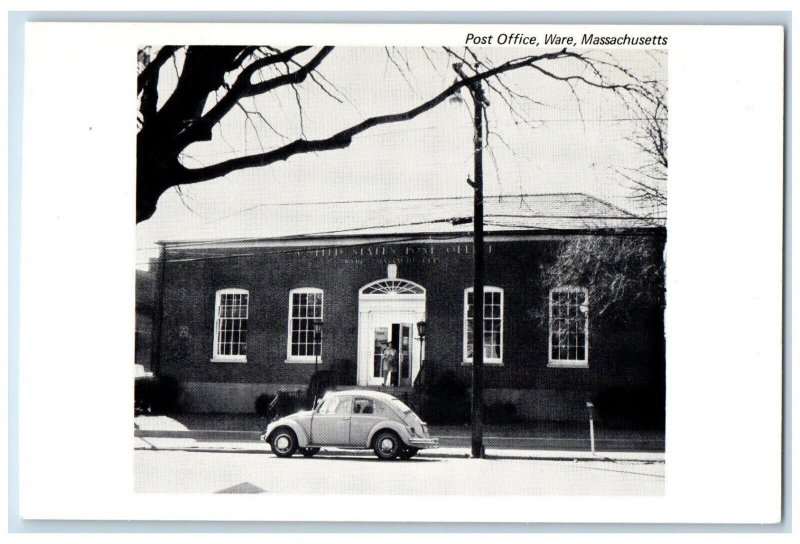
364, 406
344, 405
329, 405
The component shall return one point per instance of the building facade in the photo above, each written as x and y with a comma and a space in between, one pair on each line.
235, 319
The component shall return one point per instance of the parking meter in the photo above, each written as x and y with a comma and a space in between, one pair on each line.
590, 408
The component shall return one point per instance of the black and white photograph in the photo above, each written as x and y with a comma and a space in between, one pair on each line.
317, 228
361, 274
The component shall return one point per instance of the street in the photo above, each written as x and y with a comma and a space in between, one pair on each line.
254, 469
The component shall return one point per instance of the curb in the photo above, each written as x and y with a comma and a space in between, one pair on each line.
445, 451
581, 445
579, 457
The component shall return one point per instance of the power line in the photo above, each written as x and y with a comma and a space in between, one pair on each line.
302, 236
373, 201
613, 217
305, 235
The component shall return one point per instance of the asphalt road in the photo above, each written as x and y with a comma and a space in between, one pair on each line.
253, 471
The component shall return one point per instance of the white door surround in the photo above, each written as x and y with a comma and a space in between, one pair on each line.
385, 308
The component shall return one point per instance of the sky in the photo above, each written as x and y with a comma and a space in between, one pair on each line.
568, 140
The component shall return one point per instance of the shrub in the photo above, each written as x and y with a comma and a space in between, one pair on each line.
321, 381
500, 412
445, 399
156, 394
262, 404
274, 406
631, 407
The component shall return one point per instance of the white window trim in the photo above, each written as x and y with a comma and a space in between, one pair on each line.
302, 359
486, 360
566, 363
216, 357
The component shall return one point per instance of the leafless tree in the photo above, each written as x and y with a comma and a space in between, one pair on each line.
648, 182
210, 83
624, 274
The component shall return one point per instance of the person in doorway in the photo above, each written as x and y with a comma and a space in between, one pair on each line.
389, 361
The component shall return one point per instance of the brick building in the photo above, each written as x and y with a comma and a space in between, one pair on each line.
235, 318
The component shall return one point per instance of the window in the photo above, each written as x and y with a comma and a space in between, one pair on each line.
363, 406
305, 307
335, 405
343, 408
569, 327
492, 325
230, 326
329, 405
392, 287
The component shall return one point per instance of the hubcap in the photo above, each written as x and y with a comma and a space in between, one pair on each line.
283, 442
387, 444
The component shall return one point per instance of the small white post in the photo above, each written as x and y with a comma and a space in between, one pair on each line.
590, 407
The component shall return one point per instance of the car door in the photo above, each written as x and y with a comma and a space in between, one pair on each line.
330, 426
365, 416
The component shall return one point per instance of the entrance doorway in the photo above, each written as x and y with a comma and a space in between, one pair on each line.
387, 312
400, 337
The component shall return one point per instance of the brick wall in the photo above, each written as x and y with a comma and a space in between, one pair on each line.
629, 355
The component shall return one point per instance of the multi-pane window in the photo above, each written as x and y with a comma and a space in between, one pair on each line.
569, 326
305, 307
492, 325
230, 325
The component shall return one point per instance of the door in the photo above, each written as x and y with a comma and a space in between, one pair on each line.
330, 426
380, 340
364, 419
401, 337
404, 353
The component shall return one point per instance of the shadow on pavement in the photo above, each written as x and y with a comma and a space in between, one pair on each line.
373, 459
298, 457
244, 487
659, 476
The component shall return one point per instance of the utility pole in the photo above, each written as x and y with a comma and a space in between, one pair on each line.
479, 101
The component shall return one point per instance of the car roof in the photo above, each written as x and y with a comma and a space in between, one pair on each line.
369, 393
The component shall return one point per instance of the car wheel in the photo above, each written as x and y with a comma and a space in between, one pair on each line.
386, 445
283, 442
309, 452
407, 453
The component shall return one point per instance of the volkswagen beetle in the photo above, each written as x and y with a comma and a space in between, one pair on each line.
357, 419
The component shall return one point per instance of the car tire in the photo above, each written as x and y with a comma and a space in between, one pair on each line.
309, 452
283, 442
408, 452
386, 445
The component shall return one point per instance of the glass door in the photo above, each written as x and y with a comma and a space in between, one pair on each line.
380, 340
404, 354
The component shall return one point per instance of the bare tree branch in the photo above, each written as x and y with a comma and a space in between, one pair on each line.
243, 87
226, 75
343, 138
151, 69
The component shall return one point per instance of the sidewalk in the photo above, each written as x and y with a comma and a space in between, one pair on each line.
241, 432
